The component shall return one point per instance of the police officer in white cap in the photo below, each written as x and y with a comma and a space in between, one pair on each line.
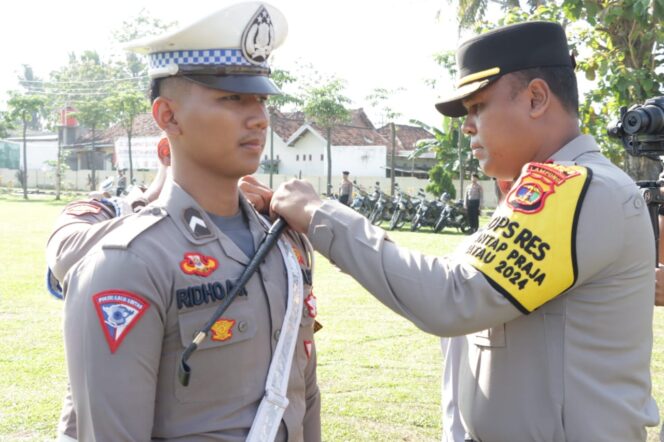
179, 258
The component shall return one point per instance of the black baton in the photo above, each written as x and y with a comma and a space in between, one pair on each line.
184, 371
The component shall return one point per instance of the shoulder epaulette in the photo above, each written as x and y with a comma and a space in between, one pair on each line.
122, 237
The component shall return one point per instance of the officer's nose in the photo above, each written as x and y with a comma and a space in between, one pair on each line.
468, 126
258, 116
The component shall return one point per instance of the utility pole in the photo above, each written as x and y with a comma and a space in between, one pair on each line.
394, 149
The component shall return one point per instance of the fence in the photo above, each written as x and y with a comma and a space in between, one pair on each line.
79, 180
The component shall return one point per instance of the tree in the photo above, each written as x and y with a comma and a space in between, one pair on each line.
623, 51
125, 105
379, 99
29, 81
23, 108
5, 125
453, 155
142, 25
470, 11
325, 106
282, 79
93, 114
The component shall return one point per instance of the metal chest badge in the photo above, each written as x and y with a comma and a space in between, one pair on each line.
198, 264
258, 37
118, 312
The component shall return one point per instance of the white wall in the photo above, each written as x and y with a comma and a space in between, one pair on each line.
294, 160
39, 151
143, 152
367, 161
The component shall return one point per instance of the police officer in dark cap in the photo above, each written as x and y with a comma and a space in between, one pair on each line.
554, 298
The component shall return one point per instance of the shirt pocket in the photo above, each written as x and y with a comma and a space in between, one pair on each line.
493, 337
227, 363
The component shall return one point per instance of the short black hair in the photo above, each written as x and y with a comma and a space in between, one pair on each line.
154, 89
561, 80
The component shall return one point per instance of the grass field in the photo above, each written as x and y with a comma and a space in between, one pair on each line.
379, 375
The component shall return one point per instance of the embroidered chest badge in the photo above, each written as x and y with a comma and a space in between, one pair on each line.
198, 264
298, 255
118, 312
222, 330
310, 303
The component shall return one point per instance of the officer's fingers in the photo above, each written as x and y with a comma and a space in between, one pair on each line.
248, 179
256, 200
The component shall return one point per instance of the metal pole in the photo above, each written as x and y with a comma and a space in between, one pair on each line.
394, 149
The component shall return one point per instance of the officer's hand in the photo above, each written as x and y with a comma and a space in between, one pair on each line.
258, 194
659, 285
296, 201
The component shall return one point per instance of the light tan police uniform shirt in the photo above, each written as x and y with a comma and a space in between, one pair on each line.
133, 394
577, 368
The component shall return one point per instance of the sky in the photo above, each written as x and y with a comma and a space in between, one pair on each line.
367, 43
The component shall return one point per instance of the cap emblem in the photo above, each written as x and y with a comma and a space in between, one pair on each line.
258, 37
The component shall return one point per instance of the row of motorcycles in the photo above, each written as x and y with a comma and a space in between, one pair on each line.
416, 210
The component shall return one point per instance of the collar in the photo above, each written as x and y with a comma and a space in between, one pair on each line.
574, 149
194, 223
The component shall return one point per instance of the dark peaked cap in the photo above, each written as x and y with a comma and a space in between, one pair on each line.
486, 57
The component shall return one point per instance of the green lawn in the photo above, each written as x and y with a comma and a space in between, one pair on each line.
379, 375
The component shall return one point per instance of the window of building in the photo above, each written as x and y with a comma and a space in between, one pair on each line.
322, 157
309, 157
277, 156
297, 158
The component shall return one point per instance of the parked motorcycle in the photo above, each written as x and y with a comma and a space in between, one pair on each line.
427, 212
452, 215
404, 209
383, 209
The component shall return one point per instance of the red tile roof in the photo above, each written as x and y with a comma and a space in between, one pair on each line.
407, 136
359, 131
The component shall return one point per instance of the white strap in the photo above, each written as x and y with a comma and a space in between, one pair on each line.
274, 403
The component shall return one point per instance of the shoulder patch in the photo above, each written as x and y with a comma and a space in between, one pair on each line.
134, 226
82, 208
528, 250
118, 313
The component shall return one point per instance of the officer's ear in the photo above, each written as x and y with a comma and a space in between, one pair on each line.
540, 97
163, 112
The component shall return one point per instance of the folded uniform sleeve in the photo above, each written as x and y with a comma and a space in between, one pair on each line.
445, 297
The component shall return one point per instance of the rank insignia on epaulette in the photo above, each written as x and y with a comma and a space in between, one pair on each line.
118, 312
78, 209
222, 330
198, 264
196, 224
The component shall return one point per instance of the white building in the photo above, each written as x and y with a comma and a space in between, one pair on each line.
41, 148
300, 147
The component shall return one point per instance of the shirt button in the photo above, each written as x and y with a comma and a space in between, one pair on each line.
156, 211
242, 326
276, 334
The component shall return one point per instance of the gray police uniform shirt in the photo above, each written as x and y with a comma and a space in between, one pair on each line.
124, 375
577, 368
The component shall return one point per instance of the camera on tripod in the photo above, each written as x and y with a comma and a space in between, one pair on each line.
641, 128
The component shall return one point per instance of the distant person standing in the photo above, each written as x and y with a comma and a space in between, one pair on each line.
473, 203
122, 182
345, 189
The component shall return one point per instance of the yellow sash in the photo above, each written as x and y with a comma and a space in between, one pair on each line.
528, 250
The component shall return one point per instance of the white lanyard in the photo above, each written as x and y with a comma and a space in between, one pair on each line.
274, 403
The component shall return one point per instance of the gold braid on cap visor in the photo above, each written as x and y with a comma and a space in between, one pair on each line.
481, 75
